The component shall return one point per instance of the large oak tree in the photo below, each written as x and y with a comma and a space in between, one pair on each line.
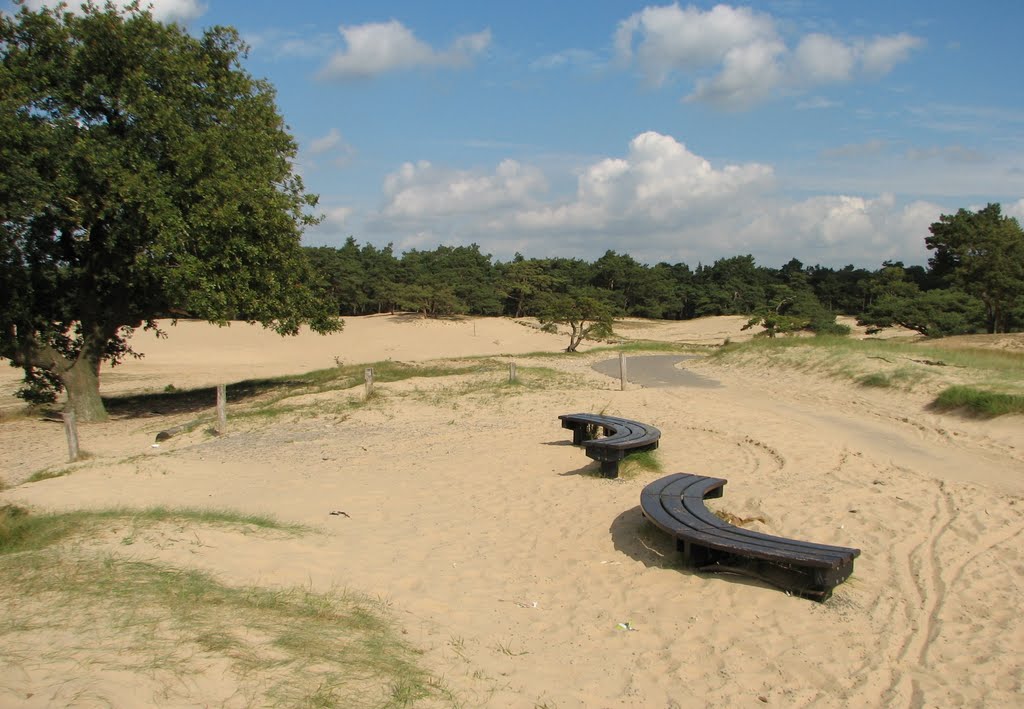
145, 174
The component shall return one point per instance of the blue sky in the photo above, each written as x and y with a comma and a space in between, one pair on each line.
830, 132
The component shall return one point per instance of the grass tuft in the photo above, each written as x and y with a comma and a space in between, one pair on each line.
284, 647
21, 530
40, 475
641, 461
644, 346
876, 379
976, 402
908, 366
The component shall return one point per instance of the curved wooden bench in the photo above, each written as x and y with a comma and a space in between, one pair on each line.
675, 504
620, 438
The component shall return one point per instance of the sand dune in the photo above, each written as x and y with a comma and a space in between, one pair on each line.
470, 512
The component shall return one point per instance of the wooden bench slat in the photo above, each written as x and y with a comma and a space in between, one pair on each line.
675, 504
622, 436
761, 545
666, 516
688, 492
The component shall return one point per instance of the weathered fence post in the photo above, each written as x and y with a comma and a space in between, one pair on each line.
368, 378
622, 371
222, 409
511, 372
72, 433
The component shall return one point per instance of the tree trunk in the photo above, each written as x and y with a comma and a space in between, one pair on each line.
82, 382
576, 336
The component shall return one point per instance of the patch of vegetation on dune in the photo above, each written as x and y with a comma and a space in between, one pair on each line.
24, 531
281, 646
900, 366
977, 402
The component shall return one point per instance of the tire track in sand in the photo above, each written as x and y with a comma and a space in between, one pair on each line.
920, 575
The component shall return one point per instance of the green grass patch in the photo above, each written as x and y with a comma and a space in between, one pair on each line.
40, 475
22, 530
882, 380
1011, 363
280, 646
630, 467
907, 365
268, 393
641, 461
285, 647
877, 380
976, 402
644, 346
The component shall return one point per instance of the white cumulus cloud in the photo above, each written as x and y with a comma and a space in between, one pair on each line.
336, 216
749, 74
844, 228
422, 191
821, 59
380, 47
736, 57
657, 183
163, 10
658, 201
331, 147
881, 54
670, 38
1015, 210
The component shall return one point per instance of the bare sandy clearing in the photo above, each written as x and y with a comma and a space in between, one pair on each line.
512, 568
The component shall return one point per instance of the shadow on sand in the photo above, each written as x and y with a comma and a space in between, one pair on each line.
187, 401
640, 540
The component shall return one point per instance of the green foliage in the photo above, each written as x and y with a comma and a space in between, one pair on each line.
788, 299
794, 308
451, 280
586, 311
522, 281
40, 386
982, 253
732, 286
146, 174
934, 313
981, 403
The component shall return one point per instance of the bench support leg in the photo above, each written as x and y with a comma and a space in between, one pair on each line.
583, 432
610, 468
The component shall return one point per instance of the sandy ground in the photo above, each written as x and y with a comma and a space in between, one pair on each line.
512, 568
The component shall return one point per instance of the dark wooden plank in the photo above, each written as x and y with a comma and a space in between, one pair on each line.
620, 427
684, 495
675, 504
825, 551
725, 537
622, 437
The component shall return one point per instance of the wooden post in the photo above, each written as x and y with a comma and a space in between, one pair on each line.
72, 432
622, 371
222, 409
511, 372
368, 378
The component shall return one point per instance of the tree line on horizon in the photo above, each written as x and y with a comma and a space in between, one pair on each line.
974, 282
